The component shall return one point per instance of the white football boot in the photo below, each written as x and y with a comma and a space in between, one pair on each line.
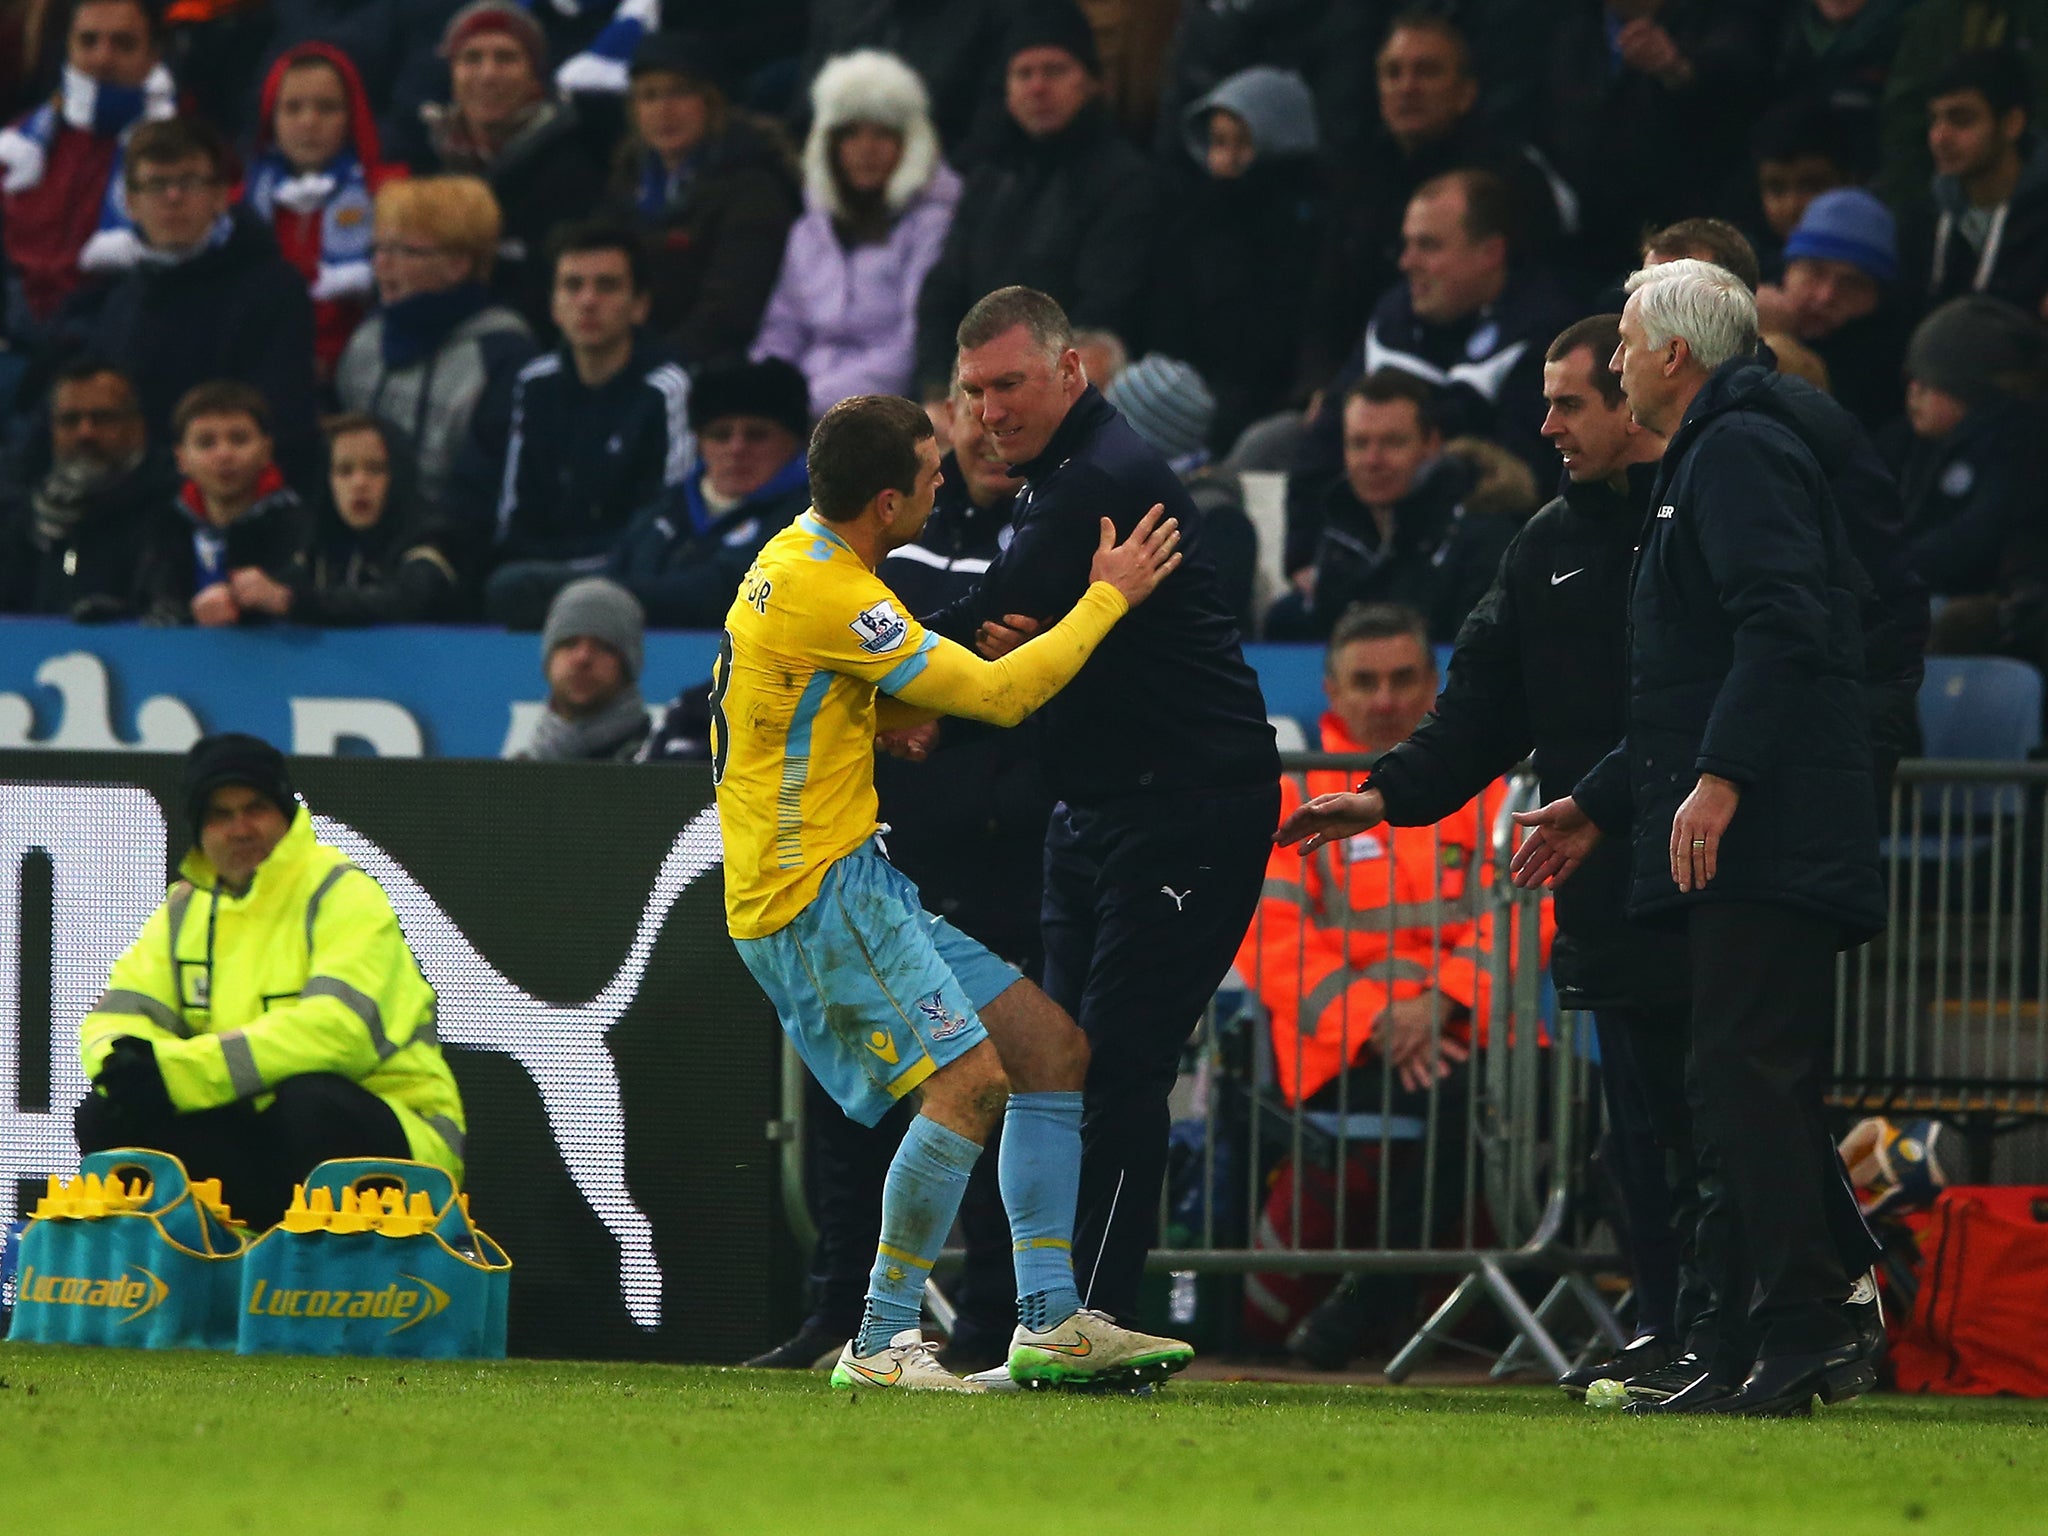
909, 1363
1090, 1350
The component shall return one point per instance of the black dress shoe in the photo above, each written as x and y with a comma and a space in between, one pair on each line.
1784, 1386
1638, 1357
1702, 1395
1666, 1380
1865, 1311
801, 1353
1328, 1339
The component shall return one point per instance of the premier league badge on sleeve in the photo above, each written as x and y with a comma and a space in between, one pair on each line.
880, 628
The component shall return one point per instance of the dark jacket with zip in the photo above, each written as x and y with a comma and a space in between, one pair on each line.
1746, 660
684, 562
1939, 263
1167, 702
1541, 668
268, 537
1439, 559
1073, 214
88, 572
237, 311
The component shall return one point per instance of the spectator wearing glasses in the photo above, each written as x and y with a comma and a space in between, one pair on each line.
69, 541
683, 558
61, 165
210, 297
422, 361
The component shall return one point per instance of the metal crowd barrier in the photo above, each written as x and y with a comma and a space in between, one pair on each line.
1946, 1013
1498, 1150
1508, 1132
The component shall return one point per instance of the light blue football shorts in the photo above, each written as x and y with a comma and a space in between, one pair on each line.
876, 992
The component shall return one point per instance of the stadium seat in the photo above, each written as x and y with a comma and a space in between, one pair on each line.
1980, 708
1972, 709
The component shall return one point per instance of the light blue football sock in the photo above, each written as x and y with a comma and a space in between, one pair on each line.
920, 1198
1039, 1169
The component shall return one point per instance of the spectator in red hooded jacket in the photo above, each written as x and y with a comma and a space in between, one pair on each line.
316, 173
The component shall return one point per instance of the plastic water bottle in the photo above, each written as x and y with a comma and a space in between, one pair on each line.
10, 1262
1180, 1302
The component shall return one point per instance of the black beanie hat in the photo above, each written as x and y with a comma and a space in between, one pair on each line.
215, 762
772, 388
1053, 24
1978, 347
693, 55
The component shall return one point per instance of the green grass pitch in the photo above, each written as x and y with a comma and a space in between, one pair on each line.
98, 1441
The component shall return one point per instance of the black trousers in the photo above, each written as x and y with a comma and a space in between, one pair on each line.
1146, 901
1650, 1159
1763, 1004
848, 1164
257, 1157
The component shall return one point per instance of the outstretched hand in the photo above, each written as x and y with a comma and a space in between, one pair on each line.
1137, 566
1560, 837
1331, 818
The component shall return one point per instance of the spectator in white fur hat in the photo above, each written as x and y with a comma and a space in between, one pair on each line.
878, 201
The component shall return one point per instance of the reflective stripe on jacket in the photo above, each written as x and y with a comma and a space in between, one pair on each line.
306, 973
1382, 917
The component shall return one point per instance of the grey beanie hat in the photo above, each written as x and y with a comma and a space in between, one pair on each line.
1166, 403
597, 609
1977, 347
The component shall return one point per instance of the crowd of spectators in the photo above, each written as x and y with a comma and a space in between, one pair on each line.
357, 311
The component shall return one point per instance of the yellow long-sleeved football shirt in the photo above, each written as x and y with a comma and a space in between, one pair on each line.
809, 641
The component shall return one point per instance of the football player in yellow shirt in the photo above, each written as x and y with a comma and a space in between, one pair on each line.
881, 997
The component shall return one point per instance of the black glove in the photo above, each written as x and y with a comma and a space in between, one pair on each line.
132, 1081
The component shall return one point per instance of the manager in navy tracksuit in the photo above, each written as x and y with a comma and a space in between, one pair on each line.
1744, 787
1159, 752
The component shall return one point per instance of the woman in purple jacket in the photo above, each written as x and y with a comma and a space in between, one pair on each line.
878, 200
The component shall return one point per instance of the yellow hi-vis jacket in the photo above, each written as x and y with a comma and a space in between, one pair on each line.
306, 973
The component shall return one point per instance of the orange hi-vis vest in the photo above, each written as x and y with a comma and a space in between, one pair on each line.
1379, 918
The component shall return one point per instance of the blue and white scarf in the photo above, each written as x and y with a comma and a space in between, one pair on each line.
89, 106
340, 195
601, 68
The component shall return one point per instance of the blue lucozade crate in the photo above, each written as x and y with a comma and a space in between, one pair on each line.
131, 1253
376, 1257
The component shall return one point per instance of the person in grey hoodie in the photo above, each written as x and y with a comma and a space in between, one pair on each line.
1988, 230
1244, 224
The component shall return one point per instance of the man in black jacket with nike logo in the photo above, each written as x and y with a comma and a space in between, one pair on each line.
1541, 666
1744, 787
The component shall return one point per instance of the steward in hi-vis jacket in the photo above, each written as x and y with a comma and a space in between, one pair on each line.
270, 1015
1390, 914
